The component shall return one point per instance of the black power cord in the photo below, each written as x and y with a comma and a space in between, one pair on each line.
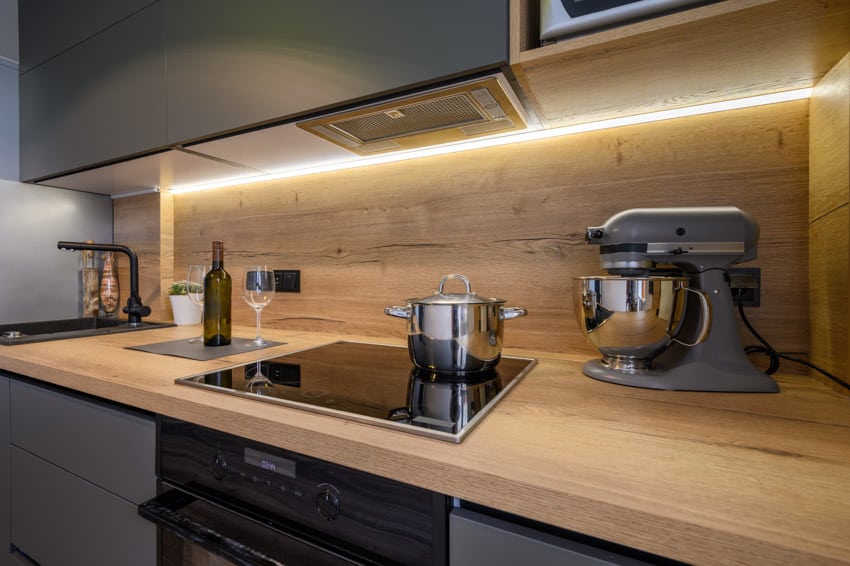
771, 353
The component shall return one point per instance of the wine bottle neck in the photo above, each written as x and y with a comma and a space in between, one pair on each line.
218, 255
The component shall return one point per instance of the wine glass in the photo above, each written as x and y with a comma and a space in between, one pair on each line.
195, 291
257, 290
258, 383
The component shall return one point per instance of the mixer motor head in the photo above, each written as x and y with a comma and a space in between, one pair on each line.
634, 241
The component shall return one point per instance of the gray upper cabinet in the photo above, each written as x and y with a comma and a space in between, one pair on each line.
100, 100
54, 26
236, 64
134, 77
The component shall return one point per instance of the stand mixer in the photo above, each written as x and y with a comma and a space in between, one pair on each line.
702, 243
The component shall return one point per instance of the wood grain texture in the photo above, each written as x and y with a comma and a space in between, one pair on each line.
829, 217
513, 220
706, 478
720, 51
829, 131
145, 224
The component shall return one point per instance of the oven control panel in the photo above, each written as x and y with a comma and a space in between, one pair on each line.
285, 487
254, 470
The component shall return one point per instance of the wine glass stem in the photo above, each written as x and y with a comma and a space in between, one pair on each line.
258, 339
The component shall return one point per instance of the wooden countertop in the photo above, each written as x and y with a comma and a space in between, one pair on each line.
710, 478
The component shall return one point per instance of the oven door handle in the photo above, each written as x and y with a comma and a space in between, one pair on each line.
164, 510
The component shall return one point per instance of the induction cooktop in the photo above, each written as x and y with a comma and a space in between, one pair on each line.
371, 383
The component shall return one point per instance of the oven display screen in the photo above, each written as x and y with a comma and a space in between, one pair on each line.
271, 463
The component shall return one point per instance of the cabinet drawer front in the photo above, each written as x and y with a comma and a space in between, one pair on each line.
110, 447
58, 518
475, 539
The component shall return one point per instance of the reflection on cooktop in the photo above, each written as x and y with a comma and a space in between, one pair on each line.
371, 383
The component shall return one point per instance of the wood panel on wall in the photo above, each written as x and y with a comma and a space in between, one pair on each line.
513, 219
829, 217
146, 224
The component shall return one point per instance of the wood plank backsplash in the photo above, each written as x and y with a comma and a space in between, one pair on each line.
829, 218
510, 218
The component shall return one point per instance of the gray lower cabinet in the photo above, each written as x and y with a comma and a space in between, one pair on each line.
477, 538
5, 558
79, 468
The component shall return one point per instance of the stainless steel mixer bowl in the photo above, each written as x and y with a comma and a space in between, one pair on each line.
630, 320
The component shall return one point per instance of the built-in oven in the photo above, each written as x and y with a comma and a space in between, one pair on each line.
225, 499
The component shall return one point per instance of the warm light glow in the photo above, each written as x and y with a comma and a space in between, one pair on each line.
751, 101
154, 189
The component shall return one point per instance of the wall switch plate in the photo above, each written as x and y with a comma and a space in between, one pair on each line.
747, 282
287, 280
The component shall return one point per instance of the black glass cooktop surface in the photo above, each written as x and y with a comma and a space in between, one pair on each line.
371, 383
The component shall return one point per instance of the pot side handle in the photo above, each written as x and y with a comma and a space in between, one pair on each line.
507, 313
399, 312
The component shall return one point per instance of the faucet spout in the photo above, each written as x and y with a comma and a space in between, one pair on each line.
135, 309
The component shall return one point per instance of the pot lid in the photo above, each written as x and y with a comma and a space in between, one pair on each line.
443, 298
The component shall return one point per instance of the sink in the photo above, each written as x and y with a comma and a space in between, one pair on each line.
43, 331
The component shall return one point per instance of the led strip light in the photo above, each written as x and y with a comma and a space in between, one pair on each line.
709, 108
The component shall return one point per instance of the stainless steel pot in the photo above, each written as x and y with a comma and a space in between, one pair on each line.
449, 405
455, 332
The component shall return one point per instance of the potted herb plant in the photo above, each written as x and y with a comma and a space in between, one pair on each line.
182, 308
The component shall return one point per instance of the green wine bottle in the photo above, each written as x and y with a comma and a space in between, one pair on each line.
217, 290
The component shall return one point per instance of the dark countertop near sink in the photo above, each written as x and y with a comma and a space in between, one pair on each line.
49, 330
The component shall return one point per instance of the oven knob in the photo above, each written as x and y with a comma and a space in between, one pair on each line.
327, 502
218, 466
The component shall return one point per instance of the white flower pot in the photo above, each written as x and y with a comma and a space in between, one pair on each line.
184, 310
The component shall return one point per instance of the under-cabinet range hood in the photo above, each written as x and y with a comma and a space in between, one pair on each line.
459, 112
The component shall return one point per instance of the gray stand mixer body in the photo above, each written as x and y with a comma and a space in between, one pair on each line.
702, 243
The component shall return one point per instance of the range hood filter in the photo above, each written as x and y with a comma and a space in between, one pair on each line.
431, 118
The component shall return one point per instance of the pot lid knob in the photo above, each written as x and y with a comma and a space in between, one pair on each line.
446, 298
463, 278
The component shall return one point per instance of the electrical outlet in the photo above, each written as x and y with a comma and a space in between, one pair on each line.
747, 281
287, 280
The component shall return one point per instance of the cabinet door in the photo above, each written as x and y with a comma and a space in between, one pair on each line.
111, 447
60, 519
5, 558
102, 99
49, 27
9, 130
475, 538
233, 64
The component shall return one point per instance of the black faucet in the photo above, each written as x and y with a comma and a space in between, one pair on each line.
135, 309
